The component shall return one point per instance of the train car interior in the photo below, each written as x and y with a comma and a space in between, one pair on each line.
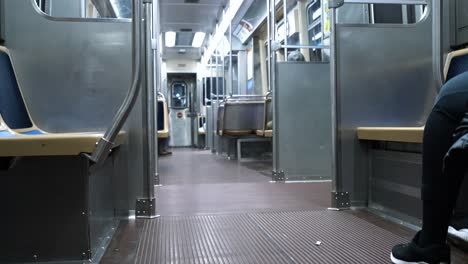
224, 131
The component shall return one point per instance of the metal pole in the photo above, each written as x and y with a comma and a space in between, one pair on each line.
286, 28
157, 84
278, 174
334, 86
212, 108
215, 109
269, 45
230, 55
339, 198
106, 143
146, 206
437, 42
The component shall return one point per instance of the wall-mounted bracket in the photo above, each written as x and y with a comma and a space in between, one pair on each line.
146, 208
278, 176
340, 201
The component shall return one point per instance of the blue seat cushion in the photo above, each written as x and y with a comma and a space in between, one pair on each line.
12, 107
33, 132
458, 65
6, 134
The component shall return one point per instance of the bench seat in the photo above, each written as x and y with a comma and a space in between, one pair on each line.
265, 133
61, 144
394, 134
163, 133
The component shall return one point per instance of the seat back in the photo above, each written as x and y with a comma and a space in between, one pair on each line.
12, 106
161, 116
457, 62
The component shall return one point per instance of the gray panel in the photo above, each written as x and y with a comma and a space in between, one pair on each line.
380, 84
397, 167
102, 221
209, 127
243, 116
304, 121
70, 60
461, 22
66, 81
181, 128
44, 210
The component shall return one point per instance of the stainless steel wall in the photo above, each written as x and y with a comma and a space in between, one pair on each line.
304, 121
74, 74
384, 79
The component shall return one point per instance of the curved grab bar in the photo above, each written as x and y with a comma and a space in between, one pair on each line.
105, 144
437, 43
161, 95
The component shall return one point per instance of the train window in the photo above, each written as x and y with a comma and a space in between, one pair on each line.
86, 8
179, 95
235, 71
42, 5
396, 14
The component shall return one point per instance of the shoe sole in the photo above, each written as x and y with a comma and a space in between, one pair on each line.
397, 261
458, 242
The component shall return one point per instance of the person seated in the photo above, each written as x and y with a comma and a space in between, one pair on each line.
163, 147
444, 165
296, 56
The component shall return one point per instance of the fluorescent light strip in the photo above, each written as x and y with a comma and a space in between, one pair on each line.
221, 28
198, 39
170, 39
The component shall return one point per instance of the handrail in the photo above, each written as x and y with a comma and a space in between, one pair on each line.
437, 43
305, 46
105, 144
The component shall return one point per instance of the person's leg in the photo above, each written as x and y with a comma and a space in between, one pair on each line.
440, 190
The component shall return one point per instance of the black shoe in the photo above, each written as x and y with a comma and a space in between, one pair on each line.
411, 253
165, 153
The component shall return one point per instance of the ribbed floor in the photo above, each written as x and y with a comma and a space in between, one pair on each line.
271, 237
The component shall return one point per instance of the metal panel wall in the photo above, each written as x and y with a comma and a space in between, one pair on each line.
459, 28
380, 84
395, 184
304, 121
74, 74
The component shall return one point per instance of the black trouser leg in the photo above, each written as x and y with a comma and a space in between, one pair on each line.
440, 190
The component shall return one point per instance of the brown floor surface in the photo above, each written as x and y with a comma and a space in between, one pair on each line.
200, 183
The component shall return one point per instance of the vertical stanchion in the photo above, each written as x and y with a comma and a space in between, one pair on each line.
437, 42
157, 81
339, 198
286, 28
278, 174
146, 206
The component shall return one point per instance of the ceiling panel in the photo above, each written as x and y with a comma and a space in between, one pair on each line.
179, 15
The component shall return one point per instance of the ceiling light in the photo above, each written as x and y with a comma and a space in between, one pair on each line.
198, 39
170, 39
